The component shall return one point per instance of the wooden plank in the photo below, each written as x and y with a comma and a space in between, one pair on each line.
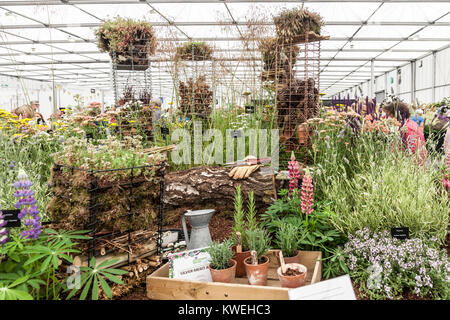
173, 289
317, 275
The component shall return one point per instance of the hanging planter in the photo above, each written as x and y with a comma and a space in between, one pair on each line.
292, 25
194, 50
129, 42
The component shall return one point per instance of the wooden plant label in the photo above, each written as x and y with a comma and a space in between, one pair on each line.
254, 257
283, 265
238, 242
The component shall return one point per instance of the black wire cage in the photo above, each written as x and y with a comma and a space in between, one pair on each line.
137, 207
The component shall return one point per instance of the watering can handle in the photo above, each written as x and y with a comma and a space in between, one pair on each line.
183, 222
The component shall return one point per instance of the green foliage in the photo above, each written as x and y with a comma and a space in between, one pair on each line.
315, 232
221, 254
287, 239
244, 221
252, 224
93, 278
194, 50
30, 269
370, 181
239, 214
34, 154
117, 34
259, 241
9, 291
36, 263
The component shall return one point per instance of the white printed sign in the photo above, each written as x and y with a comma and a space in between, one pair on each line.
339, 288
190, 265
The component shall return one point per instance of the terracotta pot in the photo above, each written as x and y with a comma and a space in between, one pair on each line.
257, 274
240, 257
293, 259
303, 134
224, 275
293, 281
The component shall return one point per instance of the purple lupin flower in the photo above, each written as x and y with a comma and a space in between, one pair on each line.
29, 214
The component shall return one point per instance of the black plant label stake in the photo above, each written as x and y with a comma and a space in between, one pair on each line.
236, 134
12, 219
400, 233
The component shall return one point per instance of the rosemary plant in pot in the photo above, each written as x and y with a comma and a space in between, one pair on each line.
257, 265
242, 221
287, 240
222, 267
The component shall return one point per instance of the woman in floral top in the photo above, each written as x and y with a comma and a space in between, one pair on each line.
412, 136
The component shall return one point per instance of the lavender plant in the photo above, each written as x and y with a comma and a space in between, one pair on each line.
384, 267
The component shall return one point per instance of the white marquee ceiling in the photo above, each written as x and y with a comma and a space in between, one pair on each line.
55, 38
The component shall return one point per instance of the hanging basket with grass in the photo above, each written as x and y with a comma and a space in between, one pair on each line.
194, 50
129, 42
292, 25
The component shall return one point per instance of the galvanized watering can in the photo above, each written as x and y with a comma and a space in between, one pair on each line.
199, 220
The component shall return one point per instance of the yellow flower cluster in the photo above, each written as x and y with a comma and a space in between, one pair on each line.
10, 122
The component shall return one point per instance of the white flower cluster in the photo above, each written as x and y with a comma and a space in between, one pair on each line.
402, 262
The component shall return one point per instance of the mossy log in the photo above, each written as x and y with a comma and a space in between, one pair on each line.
209, 187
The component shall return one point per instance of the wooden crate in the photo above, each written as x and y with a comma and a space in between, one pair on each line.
161, 287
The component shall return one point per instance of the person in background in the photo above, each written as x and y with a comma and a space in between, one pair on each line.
418, 118
412, 136
37, 115
156, 105
439, 126
24, 112
447, 137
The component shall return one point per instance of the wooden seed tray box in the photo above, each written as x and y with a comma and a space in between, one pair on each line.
161, 287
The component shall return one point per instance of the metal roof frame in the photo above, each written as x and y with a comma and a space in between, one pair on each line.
87, 57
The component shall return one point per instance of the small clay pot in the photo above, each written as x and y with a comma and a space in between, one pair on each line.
224, 275
293, 259
293, 281
257, 274
240, 257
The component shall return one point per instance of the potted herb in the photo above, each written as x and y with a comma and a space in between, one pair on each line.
257, 265
222, 267
242, 221
129, 42
291, 275
288, 241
